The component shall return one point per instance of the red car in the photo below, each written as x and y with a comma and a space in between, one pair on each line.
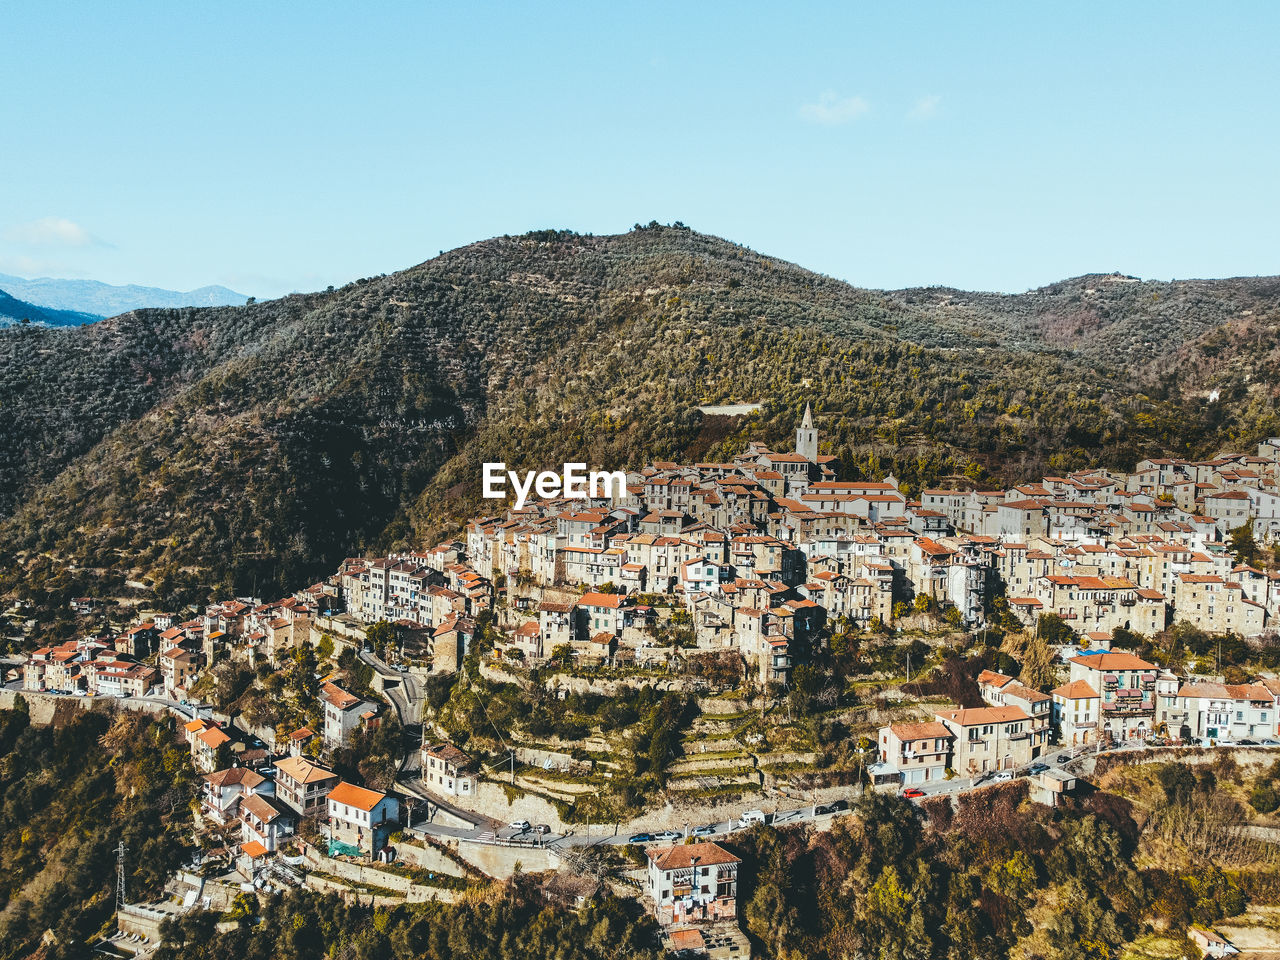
912, 792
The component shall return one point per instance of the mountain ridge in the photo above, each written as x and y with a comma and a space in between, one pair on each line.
15, 311
108, 300
235, 447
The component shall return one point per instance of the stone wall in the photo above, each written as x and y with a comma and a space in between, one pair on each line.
143, 920
713, 706
368, 875
429, 857
500, 861
347, 633
491, 800
417, 895
43, 706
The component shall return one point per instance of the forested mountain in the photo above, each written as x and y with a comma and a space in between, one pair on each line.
15, 311
107, 300
240, 447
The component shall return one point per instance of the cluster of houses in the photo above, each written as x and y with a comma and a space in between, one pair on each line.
754, 557
268, 792
269, 802
162, 656
96, 666
1109, 696
764, 551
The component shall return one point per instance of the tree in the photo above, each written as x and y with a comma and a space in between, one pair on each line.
1038, 671
1178, 783
380, 636
1054, 629
1244, 546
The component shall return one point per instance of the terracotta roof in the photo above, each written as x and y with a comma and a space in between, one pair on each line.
254, 849
260, 807
996, 679
1024, 693
303, 770
213, 737
613, 600
976, 715
920, 731
683, 855
338, 697
1076, 690
449, 753
358, 797
232, 775
1113, 661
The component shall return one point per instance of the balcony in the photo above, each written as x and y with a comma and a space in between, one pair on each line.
1129, 705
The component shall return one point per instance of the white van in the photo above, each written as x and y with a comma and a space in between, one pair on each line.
750, 817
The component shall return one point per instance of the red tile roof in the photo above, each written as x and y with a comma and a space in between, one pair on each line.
358, 797
683, 855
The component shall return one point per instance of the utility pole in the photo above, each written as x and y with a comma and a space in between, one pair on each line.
120, 851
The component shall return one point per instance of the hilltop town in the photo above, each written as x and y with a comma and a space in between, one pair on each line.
727, 644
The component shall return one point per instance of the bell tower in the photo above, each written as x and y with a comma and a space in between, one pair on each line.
807, 437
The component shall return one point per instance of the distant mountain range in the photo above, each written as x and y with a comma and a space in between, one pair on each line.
104, 300
14, 311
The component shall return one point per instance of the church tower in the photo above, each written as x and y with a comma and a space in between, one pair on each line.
807, 437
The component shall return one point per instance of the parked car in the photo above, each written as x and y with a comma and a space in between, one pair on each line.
750, 817
667, 835
1037, 768
1248, 743
519, 826
706, 831
1064, 758
820, 809
838, 805
1004, 776
640, 838
542, 829
912, 792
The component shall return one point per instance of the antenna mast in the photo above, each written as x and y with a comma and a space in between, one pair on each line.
120, 901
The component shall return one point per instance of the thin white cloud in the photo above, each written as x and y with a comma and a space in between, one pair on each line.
924, 108
25, 266
52, 232
832, 109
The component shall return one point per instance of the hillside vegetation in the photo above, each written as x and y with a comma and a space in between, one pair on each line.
69, 793
250, 448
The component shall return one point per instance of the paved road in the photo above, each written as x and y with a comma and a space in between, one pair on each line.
406, 696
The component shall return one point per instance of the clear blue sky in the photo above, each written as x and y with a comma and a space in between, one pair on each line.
280, 146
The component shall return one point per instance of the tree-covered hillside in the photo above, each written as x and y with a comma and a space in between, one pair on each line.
69, 793
222, 449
